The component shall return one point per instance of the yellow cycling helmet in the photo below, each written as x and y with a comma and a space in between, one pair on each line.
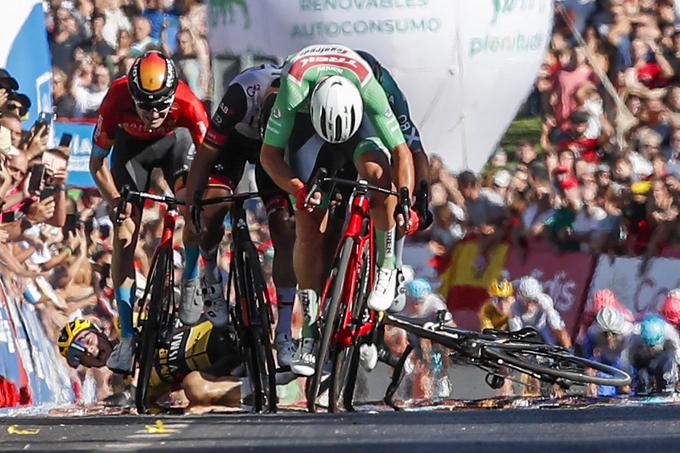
501, 288
70, 332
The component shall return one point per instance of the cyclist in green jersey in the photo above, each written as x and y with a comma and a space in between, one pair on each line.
331, 110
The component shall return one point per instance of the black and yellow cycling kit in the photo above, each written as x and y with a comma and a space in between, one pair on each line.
198, 348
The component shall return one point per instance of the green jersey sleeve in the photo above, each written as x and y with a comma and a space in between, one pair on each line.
378, 109
282, 117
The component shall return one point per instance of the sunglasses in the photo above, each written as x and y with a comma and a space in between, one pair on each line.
75, 353
157, 107
14, 106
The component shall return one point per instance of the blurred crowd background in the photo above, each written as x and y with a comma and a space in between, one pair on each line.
603, 175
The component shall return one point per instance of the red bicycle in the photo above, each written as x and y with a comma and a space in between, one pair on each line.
345, 320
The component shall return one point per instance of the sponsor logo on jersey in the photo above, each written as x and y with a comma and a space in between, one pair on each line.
224, 108
252, 90
98, 128
388, 113
276, 113
202, 127
300, 66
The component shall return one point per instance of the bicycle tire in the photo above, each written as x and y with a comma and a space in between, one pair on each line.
146, 349
264, 357
348, 377
329, 322
517, 356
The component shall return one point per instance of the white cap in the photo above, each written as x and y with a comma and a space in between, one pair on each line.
502, 178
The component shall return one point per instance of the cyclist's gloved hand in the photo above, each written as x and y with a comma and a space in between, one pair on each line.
413, 222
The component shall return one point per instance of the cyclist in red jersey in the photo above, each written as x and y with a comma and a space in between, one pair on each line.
151, 120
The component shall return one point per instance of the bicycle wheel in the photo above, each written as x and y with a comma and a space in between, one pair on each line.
556, 364
262, 342
329, 322
146, 349
346, 363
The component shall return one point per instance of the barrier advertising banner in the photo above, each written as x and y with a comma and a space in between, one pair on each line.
81, 148
640, 293
565, 277
25, 53
465, 66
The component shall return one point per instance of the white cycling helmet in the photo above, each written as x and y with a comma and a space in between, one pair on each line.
610, 319
336, 109
529, 288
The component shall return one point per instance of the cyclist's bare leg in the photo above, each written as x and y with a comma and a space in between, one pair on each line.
206, 392
125, 238
308, 242
212, 218
373, 166
189, 239
282, 230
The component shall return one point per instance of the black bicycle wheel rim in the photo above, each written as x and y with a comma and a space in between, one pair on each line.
510, 356
266, 368
151, 329
329, 323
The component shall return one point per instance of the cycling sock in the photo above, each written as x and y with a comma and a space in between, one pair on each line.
310, 308
190, 262
124, 299
211, 270
385, 242
399, 251
285, 300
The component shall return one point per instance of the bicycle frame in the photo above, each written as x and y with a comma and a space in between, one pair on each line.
359, 227
241, 236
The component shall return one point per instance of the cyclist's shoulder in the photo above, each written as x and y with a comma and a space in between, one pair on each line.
117, 97
188, 102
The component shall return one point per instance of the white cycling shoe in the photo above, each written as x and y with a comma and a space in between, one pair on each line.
120, 360
368, 356
285, 348
384, 290
215, 306
304, 360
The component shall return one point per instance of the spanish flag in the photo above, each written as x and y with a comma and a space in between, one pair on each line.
465, 281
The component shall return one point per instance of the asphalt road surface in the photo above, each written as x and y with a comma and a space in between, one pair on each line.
641, 428
469, 421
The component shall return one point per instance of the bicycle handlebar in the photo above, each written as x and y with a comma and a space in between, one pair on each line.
322, 177
126, 195
199, 202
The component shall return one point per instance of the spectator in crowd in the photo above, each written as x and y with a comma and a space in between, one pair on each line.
96, 44
188, 63
64, 39
141, 28
63, 101
116, 20
88, 96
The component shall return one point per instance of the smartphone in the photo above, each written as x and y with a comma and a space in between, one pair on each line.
71, 224
47, 192
65, 140
55, 160
45, 118
37, 175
